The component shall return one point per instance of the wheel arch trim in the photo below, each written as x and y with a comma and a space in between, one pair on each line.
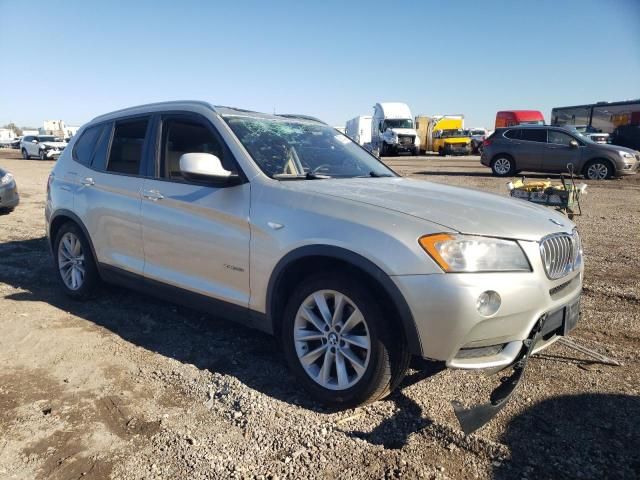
358, 261
75, 219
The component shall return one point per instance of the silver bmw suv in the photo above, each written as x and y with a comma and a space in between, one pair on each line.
285, 224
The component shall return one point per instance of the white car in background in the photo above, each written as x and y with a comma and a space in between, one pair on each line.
44, 147
477, 137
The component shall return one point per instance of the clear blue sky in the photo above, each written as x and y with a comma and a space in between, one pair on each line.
73, 60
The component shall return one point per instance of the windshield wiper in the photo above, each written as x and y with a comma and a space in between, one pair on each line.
302, 176
376, 175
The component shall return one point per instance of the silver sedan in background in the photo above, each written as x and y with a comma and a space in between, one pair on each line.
9, 198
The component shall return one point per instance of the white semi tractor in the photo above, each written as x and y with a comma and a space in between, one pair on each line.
393, 130
358, 129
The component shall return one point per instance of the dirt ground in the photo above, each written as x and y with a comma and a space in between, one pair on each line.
129, 387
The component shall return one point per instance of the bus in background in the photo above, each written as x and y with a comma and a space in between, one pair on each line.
510, 118
621, 120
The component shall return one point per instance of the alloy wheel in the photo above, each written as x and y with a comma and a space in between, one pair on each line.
71, 261
332, 340
597, 171
502, 166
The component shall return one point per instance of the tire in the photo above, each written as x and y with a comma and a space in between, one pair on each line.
25, 155
75, 285
43, 155
415, 152
373, 363
441, 152
598, 170
503, 166
383, 149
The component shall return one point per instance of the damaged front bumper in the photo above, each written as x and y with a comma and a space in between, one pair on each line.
549, 327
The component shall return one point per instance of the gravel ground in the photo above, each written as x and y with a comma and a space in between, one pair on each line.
129, 387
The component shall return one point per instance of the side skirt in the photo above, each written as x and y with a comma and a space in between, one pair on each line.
196, 301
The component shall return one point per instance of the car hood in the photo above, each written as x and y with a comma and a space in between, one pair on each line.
614, 149
54, 144
460, 209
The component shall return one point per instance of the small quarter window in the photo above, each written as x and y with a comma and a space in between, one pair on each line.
512, 134
84, 147
126, 148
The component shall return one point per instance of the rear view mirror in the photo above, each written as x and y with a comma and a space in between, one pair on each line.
574, 143
204, 167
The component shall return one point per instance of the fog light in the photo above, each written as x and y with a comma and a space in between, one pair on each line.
488, 303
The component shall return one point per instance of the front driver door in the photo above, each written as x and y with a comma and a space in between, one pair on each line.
195, 235
560, 153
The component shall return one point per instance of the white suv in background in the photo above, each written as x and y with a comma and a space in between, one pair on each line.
44, 147
285, 224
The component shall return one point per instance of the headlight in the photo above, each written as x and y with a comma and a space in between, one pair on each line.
7, 179
624, 154
469, 253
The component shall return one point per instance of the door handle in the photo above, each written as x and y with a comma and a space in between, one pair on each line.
88, 181
152, 195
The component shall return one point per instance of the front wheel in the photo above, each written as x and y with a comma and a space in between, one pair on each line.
598, 170
43, 155
25, 155
337, 342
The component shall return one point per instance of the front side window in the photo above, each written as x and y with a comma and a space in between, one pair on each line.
534, 135
188, 136
560, 138
286, 147
126, 147
48, 138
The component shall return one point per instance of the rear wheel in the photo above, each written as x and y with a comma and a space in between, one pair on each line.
25, 155
503, 166
598, 170
74, 262
337, 342
43, 155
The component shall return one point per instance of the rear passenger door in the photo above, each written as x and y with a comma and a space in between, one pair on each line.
196, 235
110, 164
532, 148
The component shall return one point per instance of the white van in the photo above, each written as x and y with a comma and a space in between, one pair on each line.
358, 129
393, 130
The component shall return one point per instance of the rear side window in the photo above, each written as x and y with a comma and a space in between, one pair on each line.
512, 134
126, 147
534, 135
84, 147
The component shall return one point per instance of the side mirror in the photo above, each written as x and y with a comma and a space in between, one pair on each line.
206, 168
34, 141
574, 144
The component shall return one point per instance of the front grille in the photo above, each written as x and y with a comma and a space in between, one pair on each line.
405, 139
561, 254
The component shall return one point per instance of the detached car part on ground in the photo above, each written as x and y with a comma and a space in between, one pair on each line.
544, 148
9, 198
289, 226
